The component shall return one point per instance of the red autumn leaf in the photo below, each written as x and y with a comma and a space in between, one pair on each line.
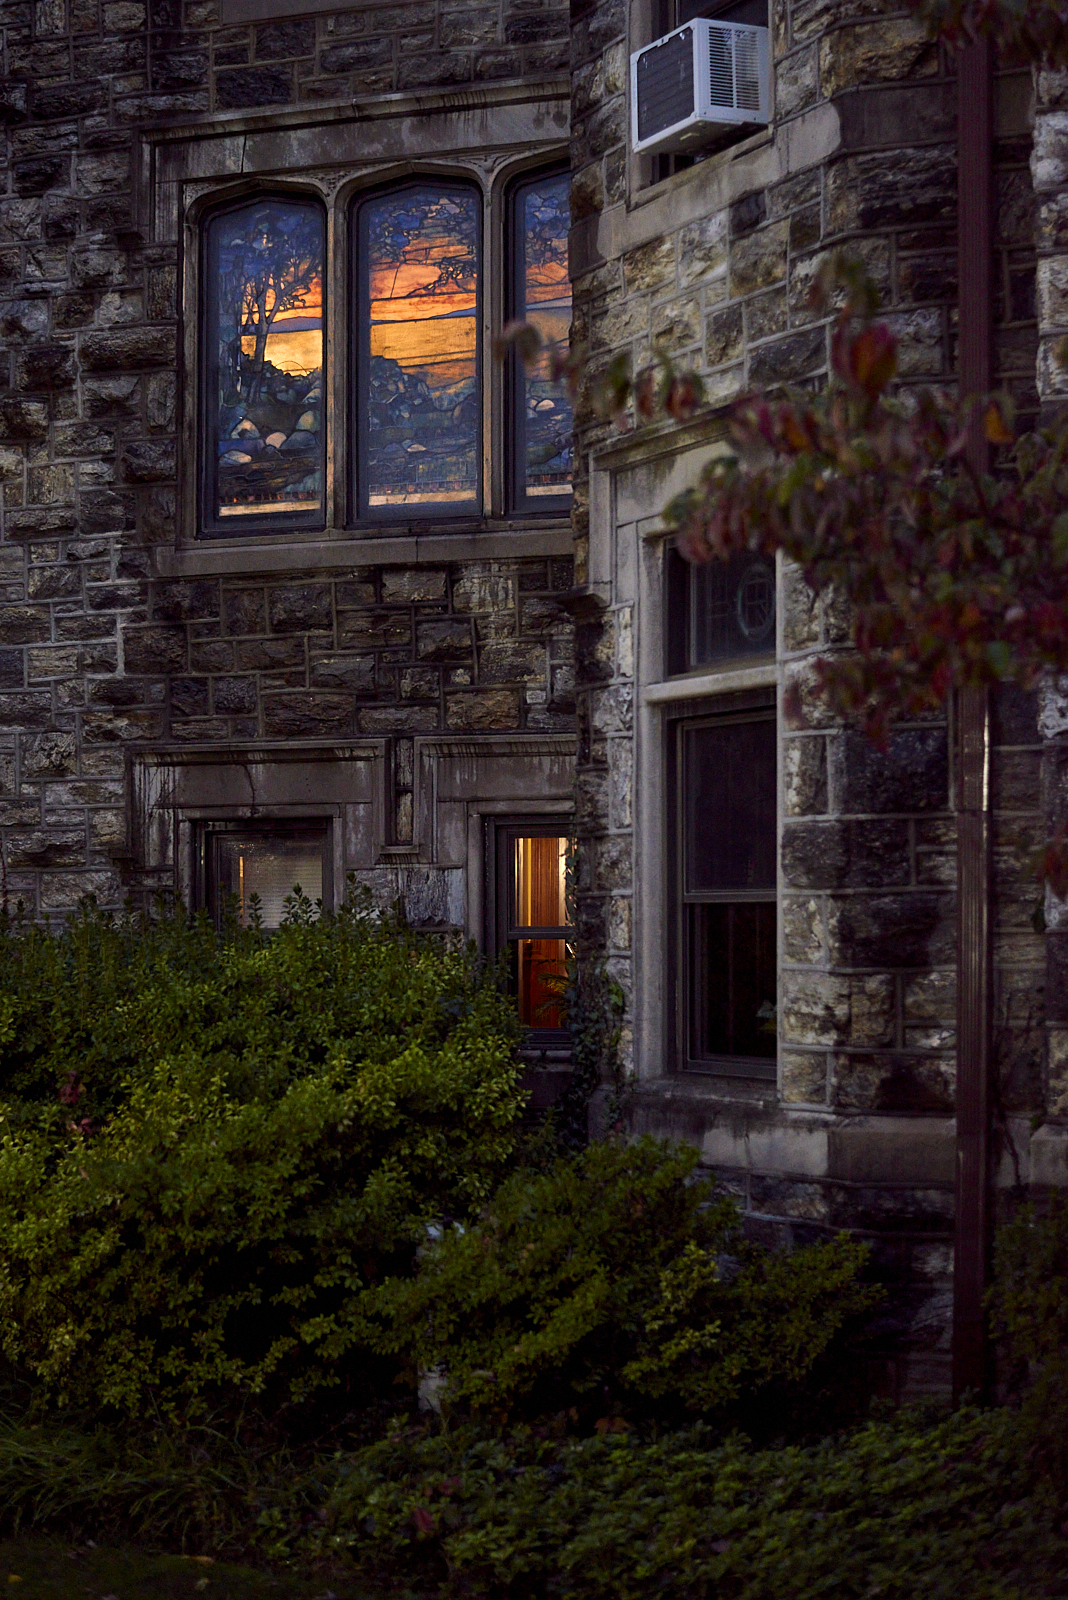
423, 1519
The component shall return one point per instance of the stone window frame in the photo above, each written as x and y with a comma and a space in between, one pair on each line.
341, 202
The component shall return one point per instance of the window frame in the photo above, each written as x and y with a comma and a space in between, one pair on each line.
209, 523
756, 706
357, 428
206, 867
517, 500
501, 927
680, 602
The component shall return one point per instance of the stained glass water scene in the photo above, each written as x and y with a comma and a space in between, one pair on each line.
266, 263
421, 385
545, 292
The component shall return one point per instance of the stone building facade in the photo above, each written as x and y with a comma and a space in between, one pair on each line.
403, 690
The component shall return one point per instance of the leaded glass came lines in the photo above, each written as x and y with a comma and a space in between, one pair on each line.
545, 290
421, 389
265, 386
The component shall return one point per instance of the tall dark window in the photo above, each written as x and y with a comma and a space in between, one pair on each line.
256, 867
726, 779
262, 400
718, 611
419, 370
531, 922
542, 445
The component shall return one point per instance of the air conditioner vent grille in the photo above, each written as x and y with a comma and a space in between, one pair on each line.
721, 66
746, 72
665, 83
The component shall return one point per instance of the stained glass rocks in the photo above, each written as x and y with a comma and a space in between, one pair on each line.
421, 374
543, 295
265, 378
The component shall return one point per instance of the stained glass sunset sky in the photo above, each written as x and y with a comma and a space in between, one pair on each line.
422, 388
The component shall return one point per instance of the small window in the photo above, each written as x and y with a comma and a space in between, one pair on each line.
263, 445
419, 370
727, 894
531, 923
542, 416
258, 868
718, 611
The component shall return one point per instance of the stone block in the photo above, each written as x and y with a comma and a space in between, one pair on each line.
676, 324
28, 710
914, 928
803, 939
724, 336
803, 1077
814, 1008
354, 673
308, 715
302, 607
785, 360
480, 589
62, 891
45, 366
841, 854
395, 720
244, 611
25, 625
402, 586
266, 655
650, 267
122, 348
875, 52
901, 188
508, 661
240, 88
447, 640
153, 652
482, 711
185, 600
373, 630
280, 40
233, 697
912, 775
759, 259
796, 82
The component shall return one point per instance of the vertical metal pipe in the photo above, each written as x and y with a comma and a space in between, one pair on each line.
975, 134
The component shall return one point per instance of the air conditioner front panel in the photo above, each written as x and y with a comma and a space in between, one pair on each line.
665, 84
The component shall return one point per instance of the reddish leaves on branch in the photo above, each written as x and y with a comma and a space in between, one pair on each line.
950, 577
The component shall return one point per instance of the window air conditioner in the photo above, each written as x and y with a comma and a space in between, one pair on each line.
696, 82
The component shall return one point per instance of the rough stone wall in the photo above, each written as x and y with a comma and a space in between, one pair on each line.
96, 655
472, 647
863, 158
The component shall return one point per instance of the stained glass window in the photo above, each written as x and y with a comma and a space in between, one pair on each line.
264, 375
420, 381
542, 294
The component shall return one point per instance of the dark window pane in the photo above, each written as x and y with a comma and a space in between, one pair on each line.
265, 393
268, 868
729, 807
540, 867
733, 980
751, 11
544, 295
421, 396
732, 609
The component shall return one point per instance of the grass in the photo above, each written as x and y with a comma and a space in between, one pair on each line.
34, 1568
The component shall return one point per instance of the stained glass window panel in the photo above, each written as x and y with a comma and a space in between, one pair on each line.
544, 291
421, 391
266, 387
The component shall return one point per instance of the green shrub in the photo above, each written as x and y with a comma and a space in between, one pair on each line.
901, 1510
616, 1278
1029, 1301
213, 1143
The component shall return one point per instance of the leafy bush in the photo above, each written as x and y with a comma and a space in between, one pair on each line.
905, 1510
616, 1278
1029, 1300
214, 1142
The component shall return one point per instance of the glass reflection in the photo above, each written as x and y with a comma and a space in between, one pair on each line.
545, 294
271, 869
540, 965
422, 397
267, 265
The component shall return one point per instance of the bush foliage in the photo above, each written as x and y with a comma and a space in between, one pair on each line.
212, 1143
616, 1278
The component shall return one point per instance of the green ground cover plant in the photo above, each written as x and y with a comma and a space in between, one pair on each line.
213, 1142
